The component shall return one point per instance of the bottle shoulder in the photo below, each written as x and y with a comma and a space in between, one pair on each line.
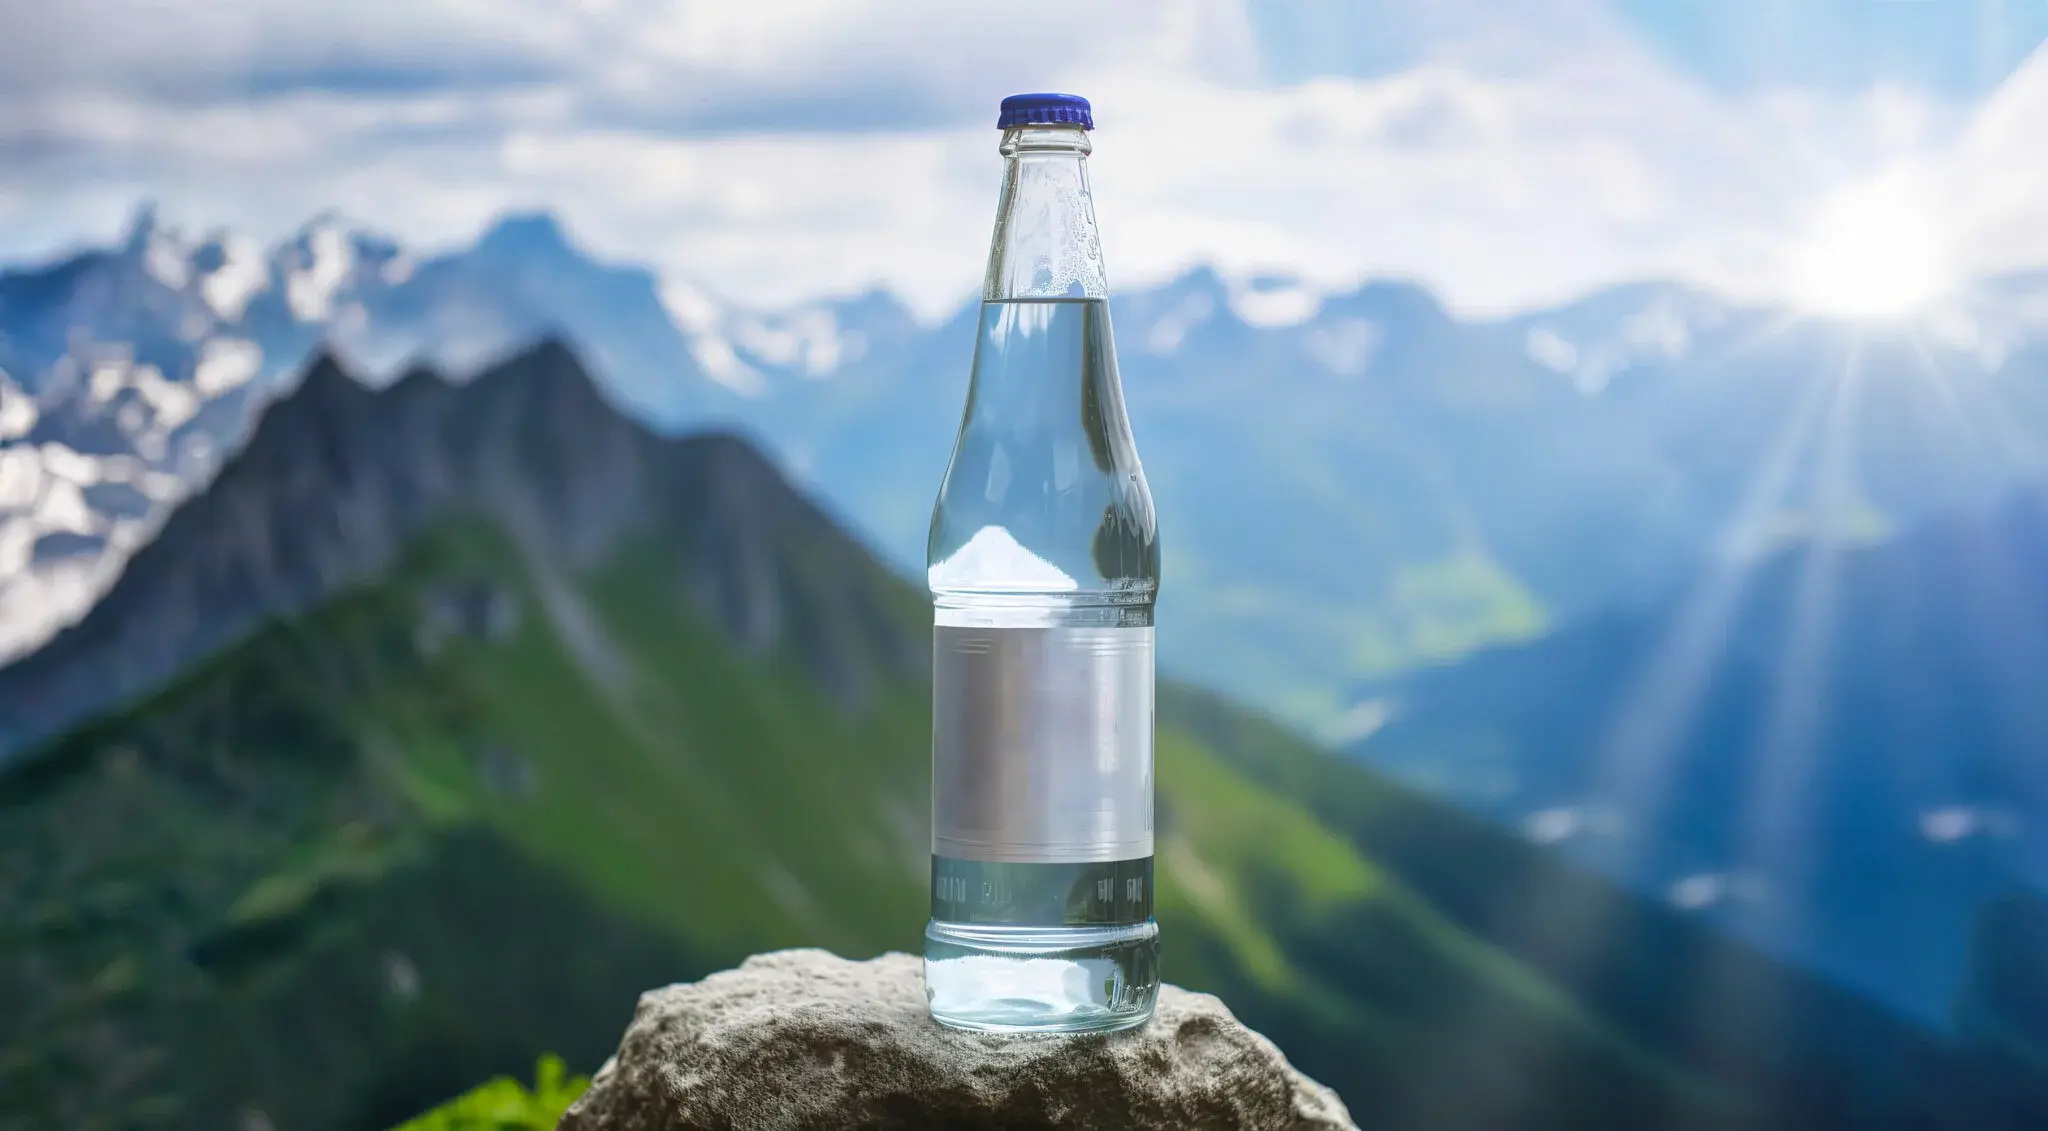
1045, 492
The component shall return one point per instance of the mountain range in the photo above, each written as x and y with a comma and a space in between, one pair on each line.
1421, 536
1361, 482
1838, 754
497, 708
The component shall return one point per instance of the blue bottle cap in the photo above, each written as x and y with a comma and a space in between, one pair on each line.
1045, 110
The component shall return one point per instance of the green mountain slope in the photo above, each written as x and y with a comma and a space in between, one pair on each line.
265, 849
462, 806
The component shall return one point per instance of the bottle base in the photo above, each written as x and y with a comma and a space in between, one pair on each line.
1041, 979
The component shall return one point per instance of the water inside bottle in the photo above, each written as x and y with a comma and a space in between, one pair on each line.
1044, 567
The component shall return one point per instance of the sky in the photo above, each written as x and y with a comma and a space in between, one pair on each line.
1859, 154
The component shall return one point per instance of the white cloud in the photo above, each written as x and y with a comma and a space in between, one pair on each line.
777, 219
1990, 182
779, 150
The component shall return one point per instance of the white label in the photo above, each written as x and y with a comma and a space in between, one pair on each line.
1042, 744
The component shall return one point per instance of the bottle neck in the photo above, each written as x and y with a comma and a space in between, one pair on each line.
1045, 245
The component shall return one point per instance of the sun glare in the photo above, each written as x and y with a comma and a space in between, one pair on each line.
1874, 252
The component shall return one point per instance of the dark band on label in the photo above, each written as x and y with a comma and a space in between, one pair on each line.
993, 894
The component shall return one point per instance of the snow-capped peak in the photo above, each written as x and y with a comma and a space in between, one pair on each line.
702, 319
161, 250
691, 306
239, 275
1165, 335
316, 267
1270, 301
1593, 340
809, 340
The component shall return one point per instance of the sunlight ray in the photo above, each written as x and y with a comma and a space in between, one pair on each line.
1993, 419
1799, 693
1633, 762
1785, 753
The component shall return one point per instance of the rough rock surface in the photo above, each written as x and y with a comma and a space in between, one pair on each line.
802, 1039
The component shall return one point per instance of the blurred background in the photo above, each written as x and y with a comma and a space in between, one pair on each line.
464, 470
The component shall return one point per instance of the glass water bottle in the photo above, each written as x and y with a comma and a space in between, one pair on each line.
1044, 564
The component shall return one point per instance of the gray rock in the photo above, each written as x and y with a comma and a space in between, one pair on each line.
803, 1039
